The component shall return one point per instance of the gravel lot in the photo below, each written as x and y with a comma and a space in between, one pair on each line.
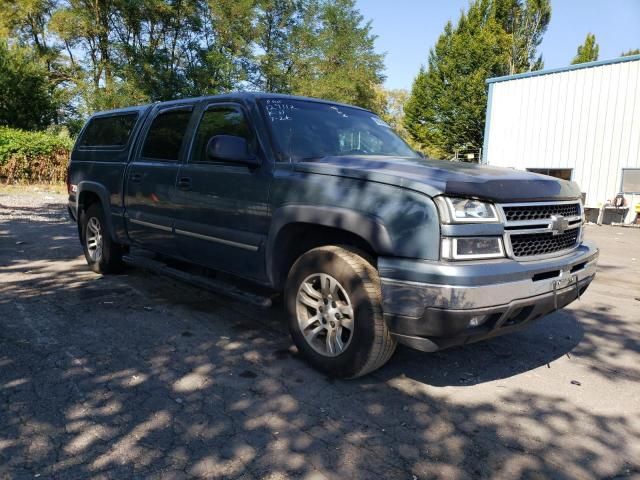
138, 376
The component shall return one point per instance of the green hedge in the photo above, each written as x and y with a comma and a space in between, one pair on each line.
33, 156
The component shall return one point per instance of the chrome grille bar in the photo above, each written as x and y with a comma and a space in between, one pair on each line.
539, 230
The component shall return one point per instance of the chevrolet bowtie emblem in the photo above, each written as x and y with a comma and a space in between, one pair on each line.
558, 224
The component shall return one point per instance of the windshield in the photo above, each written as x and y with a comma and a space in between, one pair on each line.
306, 130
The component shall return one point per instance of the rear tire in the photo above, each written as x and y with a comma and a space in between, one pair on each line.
103, 254
334, 308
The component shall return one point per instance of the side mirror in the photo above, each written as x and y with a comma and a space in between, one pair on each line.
231, 149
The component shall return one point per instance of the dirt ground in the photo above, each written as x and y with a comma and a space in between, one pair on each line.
139, 376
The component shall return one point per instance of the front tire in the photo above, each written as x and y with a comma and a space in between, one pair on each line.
333, 302
102, 254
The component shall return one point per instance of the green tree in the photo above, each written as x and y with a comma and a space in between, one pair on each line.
588, 51
229, 52
340, 63
84, 28
446, 108
149, 42
133, 52
27, 100
26, 22
525, 21
389, 106
109, 53
278, 23
635, 51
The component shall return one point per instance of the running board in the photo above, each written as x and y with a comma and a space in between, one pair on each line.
212, 285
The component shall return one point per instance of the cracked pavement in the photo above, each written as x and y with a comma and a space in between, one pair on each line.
140, 376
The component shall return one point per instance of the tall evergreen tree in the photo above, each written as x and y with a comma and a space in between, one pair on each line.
446, 108
341, 63
588, 51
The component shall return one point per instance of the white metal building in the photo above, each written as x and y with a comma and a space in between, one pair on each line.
580, 122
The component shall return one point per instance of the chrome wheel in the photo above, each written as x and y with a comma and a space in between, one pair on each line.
94, 239
325, 314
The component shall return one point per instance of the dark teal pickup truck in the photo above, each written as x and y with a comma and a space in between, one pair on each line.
371, 244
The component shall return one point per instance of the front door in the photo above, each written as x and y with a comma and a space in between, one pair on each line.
223, 217
151, 178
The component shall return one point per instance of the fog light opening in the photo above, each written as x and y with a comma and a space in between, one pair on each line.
477, 320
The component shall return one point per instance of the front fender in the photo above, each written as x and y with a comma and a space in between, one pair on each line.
368, 227
394, 221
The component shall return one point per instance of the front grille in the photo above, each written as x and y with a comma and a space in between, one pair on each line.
540, 212
528, 245
535, 230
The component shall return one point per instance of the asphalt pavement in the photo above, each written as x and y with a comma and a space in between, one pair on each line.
140, 376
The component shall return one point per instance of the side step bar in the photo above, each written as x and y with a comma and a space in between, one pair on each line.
212, 285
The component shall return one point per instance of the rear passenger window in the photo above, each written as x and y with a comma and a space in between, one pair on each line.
166, 134
111, 131
219, 121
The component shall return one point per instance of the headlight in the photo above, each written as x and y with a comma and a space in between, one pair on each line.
465, 210
472, 248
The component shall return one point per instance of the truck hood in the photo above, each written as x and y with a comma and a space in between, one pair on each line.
436, 177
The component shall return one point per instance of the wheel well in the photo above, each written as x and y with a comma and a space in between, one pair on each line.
85, 200
295, 239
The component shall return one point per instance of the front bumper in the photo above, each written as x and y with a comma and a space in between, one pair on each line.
435, 305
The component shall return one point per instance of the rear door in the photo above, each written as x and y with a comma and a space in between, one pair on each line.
151, 178
223, 217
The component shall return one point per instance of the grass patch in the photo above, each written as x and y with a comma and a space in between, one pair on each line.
17, 188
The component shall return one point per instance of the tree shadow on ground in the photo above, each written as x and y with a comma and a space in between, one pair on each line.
138, 376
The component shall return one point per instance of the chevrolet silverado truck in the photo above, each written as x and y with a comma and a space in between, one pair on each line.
371, 244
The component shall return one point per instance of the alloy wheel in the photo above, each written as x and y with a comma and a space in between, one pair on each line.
325, 314
94, 239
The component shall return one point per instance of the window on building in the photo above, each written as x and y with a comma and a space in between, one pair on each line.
109, 131
630, 180
165, 136
561, 173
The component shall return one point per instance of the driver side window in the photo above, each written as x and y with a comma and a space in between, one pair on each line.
222, 120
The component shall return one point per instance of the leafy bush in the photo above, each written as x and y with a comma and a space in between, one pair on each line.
33, 156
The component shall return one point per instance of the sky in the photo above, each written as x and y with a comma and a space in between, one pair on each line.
407, 29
